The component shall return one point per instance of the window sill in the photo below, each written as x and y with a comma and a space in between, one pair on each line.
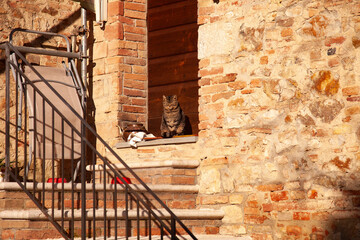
163, 141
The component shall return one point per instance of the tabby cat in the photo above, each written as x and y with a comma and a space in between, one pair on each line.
173, 118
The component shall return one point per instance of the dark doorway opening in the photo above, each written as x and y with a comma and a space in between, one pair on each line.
173, 62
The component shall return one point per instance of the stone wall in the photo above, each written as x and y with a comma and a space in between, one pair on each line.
279, 105
279, 117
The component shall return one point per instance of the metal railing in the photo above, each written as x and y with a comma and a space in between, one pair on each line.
77, 208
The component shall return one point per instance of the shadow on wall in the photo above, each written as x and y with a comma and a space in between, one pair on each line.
37, 42
347, 229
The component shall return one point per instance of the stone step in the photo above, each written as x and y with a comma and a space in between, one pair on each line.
151, 164
173, 172
182, 237
183, 214
13, 186
174, 196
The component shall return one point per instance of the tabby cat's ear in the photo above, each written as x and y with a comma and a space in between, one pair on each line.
164, 97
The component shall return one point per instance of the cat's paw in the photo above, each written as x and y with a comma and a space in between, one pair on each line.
165, 134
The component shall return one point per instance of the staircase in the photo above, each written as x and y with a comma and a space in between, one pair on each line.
159, 203
41, 143
21, 219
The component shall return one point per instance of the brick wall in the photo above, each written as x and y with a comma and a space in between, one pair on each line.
279, 113
120, 68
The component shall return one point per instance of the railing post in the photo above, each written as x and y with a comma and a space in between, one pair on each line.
173, 228
83, 159
7, 117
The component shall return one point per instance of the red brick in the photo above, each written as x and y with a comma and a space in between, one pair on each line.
287, 32
115, 8
142, 150
204, 63
293, 230
127, 116
204, 81
203, 19
7, 234
251, 211
256, 83
37, 234
264, 60
206, 10
270, 187
189, 204
211, 230
238, 85
140, 23
312, 194
216, 106
279, 196
126, 52
129, 83
352, 110
252, 203
353, 90
134, 14
114, 31
267, 207
183, 180
225, 79
142, 46
140, 70
139, 77
136, 30
135, 6
334, 40
135, 37
215, 18
296, 195
301, 216
126, 20
138, 101
135, 61
321, 216
214, 199
254, 219
353, 99
134, 109
114, 60
334, 62
247, 91
212, 71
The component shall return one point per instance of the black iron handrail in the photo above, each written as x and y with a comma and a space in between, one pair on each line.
109, 199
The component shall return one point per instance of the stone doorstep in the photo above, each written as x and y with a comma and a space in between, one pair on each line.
182, 237
183, 214
157, 142
151, 164
13, 186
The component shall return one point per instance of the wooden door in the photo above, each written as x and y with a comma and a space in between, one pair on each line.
173, 63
